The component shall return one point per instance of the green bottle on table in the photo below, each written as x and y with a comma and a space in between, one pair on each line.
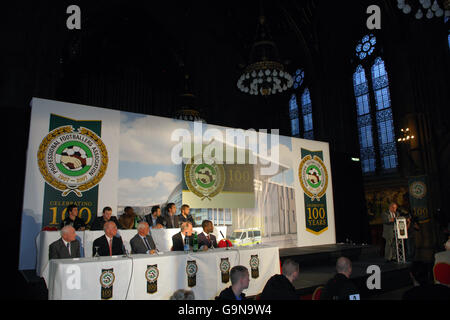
195, 243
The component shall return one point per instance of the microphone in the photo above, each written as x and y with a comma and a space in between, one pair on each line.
226, 242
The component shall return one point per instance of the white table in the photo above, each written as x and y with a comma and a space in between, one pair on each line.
130, 281
162, 238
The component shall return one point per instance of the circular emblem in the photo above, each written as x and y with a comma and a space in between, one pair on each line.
313, 177
72, 161
418, 189
191, 269
224, 266
205, 180
254, 262
152, 274
107, 279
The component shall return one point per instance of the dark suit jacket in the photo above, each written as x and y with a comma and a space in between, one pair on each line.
149, 220
99, 222
177, 242
138, 245
77, 224
203, 240
279, 288
189, 218
227, 294
57, 250
168, 223
388, 227
103, 250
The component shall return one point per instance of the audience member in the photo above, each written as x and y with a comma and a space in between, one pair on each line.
66, 247
154, 219
178, 238
340, 287
206, 239
240, 280
72, 219
182, 294
108, 244
423, 289
171, 220
128, 219
281, 286
185, 216
106, 216
143, 242
443, 256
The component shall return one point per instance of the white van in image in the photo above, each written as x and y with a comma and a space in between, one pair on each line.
246, 237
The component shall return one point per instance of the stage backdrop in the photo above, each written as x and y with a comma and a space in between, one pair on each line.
97, 157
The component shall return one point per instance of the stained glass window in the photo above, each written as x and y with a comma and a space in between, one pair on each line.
293, 114
308, 132
298, 78
384, 118
365, 46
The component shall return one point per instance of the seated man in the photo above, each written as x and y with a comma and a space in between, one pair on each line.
72, 219
171, 220
143, 242
239, 282
178, 238
423, 289
128, 219
66, 247
280, 286
109, 244
340, 287
206, 238
98, 222
185, 216
154, 219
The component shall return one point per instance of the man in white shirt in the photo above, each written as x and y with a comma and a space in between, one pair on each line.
109, 244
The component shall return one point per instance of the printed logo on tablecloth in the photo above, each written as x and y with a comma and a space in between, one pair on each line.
254, 266
107, 279
224, 267
191, 271
152, 274
203, 179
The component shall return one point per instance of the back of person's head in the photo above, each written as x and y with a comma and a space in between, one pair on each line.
289, 267
182, 294
237, 273
419, 271
447, 245
344, 265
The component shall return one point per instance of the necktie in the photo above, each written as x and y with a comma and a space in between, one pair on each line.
209, 239
146, 243
68, 248
110, 247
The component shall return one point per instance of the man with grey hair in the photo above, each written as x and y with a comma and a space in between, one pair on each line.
239, 282
182, 294
281, 286
388, 218
178, 238
143, 242
109, 244
67, 246
340, 287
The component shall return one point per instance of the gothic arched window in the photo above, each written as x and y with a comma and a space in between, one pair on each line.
302, 128
374, 112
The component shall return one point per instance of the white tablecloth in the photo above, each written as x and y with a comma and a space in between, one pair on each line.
130, 281
162, 238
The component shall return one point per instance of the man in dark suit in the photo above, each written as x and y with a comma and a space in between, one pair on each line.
178, 238
72, 219
98, 222
143, 242
185, 216
108, 244
280, 286
388, 231
154, 219
66, 247
171, 220
206, 238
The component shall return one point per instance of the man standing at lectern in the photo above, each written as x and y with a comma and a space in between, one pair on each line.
388, 231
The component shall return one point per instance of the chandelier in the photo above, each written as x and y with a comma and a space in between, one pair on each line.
265, 75
426, 8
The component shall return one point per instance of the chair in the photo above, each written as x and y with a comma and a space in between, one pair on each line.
317, 293
441, 273
223, 244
